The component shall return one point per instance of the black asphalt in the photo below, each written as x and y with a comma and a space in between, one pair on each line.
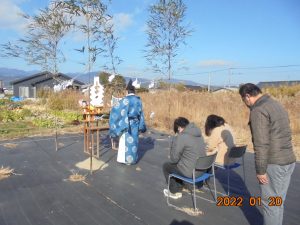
39, 192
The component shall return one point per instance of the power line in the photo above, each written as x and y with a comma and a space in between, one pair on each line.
206, 72
265, 67
281, 71
238, 68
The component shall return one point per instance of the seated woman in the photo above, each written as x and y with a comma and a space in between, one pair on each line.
220, 139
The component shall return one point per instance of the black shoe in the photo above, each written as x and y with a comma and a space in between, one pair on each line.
199, 185
188, 186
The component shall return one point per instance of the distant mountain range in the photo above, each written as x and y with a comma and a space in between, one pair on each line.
15, 72
7, 75
85, 77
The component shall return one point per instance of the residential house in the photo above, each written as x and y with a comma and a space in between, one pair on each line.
28, 87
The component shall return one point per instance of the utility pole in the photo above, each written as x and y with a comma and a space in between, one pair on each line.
229, 77
209, 78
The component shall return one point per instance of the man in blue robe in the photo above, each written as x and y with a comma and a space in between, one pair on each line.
126, 121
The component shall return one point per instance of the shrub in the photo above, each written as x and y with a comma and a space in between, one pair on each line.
25, 113
42, 93
42, 122
67, 99
6, 115
55, 102
67, 116
14, 115
4, 101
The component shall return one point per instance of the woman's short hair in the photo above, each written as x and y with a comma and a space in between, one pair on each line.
212, 122
180, 122
250, 89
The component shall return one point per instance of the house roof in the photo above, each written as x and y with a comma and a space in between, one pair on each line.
44, 76
228, 89
278, 83
194, 87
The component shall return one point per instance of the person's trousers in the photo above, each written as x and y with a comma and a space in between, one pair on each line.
274, 192
176, 185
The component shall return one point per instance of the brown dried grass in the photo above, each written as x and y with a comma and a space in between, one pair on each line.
65, 100
190, 211
76, 177
10, 145
5, 172
196, 106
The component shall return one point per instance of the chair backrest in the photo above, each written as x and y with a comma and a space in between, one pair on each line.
237, 151
206, 162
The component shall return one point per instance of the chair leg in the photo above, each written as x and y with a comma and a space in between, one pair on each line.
244, 171
215, 189
168, 190
228, 182
194, 196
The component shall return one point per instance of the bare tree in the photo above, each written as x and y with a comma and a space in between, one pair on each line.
166, 32
96, 21
99, 31
41, 44
110, 41
94, 28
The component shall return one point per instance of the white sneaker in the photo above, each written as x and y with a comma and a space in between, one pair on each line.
171, 195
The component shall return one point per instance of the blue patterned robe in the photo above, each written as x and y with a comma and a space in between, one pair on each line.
127, 119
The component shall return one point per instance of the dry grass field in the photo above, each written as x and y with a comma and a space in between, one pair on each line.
196, 106
167, 105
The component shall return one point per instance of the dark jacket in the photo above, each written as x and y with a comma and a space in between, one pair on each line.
186, 148
271, 134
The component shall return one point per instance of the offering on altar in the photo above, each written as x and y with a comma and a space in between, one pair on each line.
95, 105
97, 93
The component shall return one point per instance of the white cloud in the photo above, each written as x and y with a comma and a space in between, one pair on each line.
214, 62
122, 21
10, 16
143, 29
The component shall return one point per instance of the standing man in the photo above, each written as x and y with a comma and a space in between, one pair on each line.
126, 121
187, 146
272, 142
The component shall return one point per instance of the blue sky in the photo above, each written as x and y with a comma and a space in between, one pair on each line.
259, 39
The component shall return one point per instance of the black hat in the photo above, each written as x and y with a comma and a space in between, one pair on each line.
130, 87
